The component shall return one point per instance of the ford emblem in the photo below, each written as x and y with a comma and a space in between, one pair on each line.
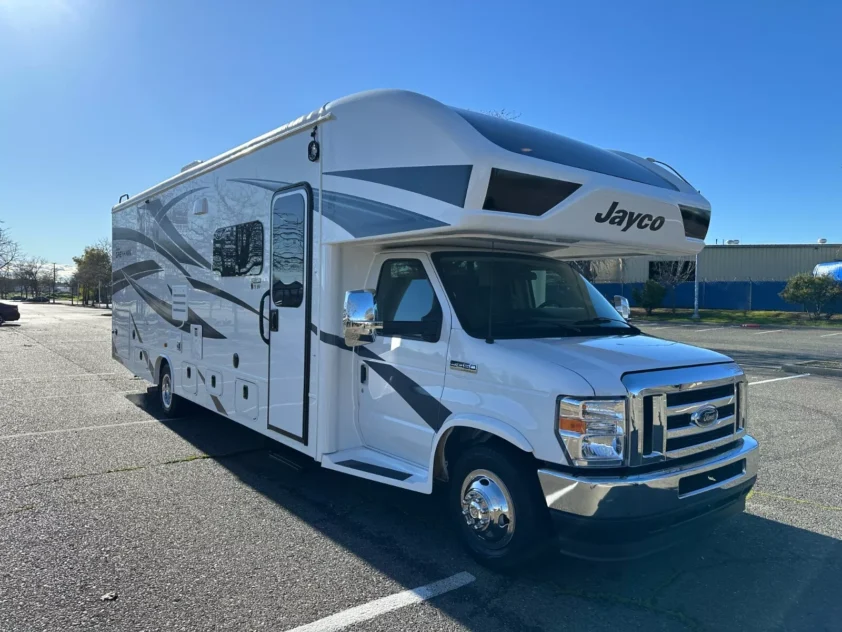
705, 416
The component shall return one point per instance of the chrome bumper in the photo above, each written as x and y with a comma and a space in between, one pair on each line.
651, 494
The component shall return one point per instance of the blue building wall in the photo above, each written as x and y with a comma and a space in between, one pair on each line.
740, 295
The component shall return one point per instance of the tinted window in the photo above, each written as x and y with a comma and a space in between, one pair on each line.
538, 143
238, 250
514, 192
406, 302
288, 250
696, 221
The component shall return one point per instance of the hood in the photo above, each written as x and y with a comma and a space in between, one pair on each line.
603, 361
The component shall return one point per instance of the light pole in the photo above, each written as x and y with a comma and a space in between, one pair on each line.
696, 289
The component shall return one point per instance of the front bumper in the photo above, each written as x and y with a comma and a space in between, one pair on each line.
631, 516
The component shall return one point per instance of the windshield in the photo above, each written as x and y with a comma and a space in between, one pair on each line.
525, 296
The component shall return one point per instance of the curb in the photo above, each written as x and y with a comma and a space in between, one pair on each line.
804, 367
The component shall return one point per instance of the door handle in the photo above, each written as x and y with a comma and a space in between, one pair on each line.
363, 374
260, 316
273, 319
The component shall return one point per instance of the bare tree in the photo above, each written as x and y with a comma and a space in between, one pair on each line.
591, 269
9, 249
671, 274
31, 272
7, 281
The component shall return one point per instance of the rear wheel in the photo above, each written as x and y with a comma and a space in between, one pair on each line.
496, 502
168, 399
2, 320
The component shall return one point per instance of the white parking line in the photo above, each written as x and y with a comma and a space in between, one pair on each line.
65, 396
829, 335
760, 333
778, 379
79, 428
709, 329
377, 607
60, 376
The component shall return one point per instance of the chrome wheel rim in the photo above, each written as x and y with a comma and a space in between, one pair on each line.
166, 391
488, 508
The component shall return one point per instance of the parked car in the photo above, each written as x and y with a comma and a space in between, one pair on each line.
8, 313
17, 298
38, 299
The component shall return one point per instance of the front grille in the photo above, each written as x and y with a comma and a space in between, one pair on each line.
689, 441
663, 415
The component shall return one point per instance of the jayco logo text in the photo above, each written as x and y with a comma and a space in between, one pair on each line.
620, 217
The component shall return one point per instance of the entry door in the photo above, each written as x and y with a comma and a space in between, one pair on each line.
401, 373
289, 314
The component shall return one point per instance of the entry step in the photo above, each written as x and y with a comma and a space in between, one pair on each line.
378, 466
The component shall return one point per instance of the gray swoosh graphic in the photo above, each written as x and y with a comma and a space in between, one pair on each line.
164, 310
448, 183
211, 289
360, 216
129, 234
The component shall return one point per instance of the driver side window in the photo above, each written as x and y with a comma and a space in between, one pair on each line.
406, 301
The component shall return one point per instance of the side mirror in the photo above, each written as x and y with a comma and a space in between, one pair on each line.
359, 319
621, 304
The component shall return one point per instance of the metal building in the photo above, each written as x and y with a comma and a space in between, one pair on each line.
762, 262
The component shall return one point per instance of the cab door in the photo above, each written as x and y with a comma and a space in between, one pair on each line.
401, 374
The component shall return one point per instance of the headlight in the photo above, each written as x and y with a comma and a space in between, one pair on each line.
593, 430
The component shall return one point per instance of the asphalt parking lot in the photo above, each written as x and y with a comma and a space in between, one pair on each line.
195, 526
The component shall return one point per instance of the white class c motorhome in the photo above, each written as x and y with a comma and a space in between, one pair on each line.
381, 285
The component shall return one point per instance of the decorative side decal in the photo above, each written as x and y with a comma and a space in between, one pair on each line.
359, 216
448, 183
430, 409
164, 310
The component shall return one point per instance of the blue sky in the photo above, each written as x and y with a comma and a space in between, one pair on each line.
99, 97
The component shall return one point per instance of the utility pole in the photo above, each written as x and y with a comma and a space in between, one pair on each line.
99, 293
54, 283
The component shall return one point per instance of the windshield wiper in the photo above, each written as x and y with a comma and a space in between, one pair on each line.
599, 319
604, 319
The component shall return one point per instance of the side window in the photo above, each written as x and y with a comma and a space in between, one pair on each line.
406, 302
238, 250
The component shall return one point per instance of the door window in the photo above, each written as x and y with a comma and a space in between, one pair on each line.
406, 302
288, 250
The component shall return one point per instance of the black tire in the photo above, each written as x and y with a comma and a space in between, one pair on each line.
167, 399
2, 320
493, 546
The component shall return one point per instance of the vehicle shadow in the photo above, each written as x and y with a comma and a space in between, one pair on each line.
5, 325
751, 573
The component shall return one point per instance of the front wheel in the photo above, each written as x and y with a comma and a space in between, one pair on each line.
496, 502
